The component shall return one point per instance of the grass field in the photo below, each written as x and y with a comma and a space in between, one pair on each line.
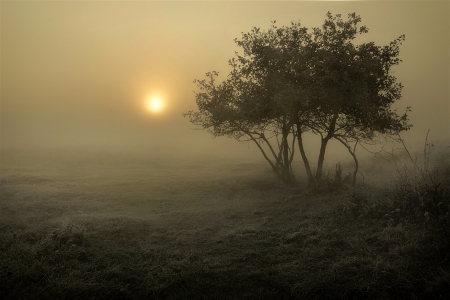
104, 226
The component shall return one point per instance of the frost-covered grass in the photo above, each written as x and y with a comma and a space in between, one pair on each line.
115, 228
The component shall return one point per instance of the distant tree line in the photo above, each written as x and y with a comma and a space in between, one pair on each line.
291, 80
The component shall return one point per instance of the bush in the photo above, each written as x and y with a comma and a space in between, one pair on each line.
420, 191
423, 190
333, 182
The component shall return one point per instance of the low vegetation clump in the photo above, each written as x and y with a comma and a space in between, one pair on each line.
153, 231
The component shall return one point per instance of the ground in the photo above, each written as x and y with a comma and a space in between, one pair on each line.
107, 226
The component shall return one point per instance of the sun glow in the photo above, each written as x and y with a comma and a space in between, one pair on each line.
155, 104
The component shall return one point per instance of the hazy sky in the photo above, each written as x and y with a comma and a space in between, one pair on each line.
78, 73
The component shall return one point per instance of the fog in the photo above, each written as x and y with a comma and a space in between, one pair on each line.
75, 75
104, 195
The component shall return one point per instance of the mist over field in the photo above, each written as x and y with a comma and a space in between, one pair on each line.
79, 74
107, 191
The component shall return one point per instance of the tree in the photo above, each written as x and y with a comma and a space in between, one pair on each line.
353, 85
278, 60
289, 81
257, 96
237, 108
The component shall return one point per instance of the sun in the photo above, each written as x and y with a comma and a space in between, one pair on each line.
155, 104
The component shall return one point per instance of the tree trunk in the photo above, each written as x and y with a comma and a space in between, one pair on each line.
311, 179
286, 177
356, 168
353, 154
323, 146
274, 167
287, 170
278, 163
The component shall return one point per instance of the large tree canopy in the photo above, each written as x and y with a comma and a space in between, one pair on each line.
290, 80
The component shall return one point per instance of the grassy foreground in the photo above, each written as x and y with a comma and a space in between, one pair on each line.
188, 229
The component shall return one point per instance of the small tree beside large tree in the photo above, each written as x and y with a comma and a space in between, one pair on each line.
289, 81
